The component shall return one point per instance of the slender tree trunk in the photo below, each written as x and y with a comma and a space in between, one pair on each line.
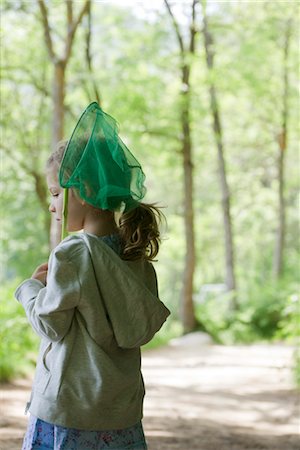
280, 232
187, 306
218, 133
228, 234
58, 99
41, 192
282, 146
96, 93
188, 313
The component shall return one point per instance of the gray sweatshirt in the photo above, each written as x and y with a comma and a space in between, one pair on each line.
93, 316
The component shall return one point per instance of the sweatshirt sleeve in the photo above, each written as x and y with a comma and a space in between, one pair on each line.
50, 309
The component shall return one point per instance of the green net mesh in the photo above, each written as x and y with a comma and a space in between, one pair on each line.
99, 165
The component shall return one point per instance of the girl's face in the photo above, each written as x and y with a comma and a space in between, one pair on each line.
76, 209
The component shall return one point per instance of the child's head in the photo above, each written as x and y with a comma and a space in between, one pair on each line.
138, 227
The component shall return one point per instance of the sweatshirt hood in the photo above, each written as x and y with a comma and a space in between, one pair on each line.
129, 293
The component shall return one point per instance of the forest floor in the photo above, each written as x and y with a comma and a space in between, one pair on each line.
200, 397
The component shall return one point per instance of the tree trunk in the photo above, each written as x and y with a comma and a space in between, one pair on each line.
187, 306
188, 313
41, 192
228, 234
218, 134
88, 55
282, 145
58, 100
280, 233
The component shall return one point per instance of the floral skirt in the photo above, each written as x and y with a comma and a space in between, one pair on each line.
45, 436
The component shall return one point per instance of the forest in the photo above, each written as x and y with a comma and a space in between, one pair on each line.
205, 94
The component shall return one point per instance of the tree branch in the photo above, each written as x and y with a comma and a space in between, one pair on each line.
159, 132
15, 158
31, 78
72, 30
69, 4
176, 28
88, 54
193, 29
47, 31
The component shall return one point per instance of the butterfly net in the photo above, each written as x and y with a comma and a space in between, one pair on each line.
99, 166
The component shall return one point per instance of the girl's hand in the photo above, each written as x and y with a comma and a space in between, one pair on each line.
40, 273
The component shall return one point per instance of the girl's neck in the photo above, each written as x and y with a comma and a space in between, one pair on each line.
100, 223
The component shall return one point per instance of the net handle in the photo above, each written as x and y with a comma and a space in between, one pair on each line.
64, 232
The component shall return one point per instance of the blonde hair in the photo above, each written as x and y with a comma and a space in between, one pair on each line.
138, 228
57, 155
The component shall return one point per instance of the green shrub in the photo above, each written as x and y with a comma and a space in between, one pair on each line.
265, 305
266, 311
18, 341
297, 367
289, 325
289, 330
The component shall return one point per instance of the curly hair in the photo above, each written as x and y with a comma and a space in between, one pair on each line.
139, 229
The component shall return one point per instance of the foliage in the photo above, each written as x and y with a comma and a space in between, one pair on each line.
136, 69
297, 367
267, 312
289, 329
289, 325
18, 342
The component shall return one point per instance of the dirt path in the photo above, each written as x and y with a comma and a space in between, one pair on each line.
201, 398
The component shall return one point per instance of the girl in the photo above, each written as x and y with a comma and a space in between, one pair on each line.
96, 302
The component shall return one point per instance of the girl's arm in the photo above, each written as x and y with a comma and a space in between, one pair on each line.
50, 309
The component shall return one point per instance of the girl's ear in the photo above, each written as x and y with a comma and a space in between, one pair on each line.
78, 198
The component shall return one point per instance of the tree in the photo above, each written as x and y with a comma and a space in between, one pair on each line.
88, 56
230, 280
60, 63
186, 52
282, 147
